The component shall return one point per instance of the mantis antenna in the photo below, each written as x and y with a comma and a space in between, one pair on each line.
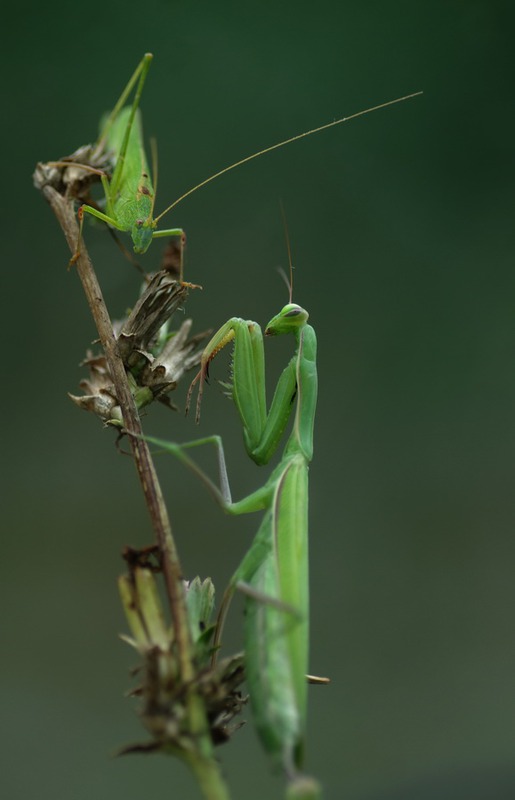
289, 283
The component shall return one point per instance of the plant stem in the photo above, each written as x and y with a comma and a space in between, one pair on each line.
201, 759
209, 777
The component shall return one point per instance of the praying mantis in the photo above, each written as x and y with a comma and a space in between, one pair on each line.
130, 192
274, 573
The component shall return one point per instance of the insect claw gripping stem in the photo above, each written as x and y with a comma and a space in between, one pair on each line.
76, 255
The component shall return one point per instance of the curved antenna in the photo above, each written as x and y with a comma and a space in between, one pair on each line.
281, 144
289, 283
284, 276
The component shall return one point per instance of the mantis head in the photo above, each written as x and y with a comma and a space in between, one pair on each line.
290, 319
141, 233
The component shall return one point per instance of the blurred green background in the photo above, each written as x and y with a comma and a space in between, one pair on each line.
403, 240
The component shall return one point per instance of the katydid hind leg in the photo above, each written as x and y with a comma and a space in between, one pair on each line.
140, 72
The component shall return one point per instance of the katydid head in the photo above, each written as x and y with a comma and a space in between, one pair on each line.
141, 233
290, 319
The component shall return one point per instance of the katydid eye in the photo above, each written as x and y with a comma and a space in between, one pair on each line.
293, 313
139, 223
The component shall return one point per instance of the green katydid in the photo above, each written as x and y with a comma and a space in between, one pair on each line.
274, 572
129, 193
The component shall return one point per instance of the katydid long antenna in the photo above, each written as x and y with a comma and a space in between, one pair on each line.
282, 144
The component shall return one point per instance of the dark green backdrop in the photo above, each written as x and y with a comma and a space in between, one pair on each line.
402, 231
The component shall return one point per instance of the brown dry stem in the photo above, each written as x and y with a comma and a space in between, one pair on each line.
201, 759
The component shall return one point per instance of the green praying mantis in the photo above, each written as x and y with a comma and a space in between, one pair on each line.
131, 190
274, 573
